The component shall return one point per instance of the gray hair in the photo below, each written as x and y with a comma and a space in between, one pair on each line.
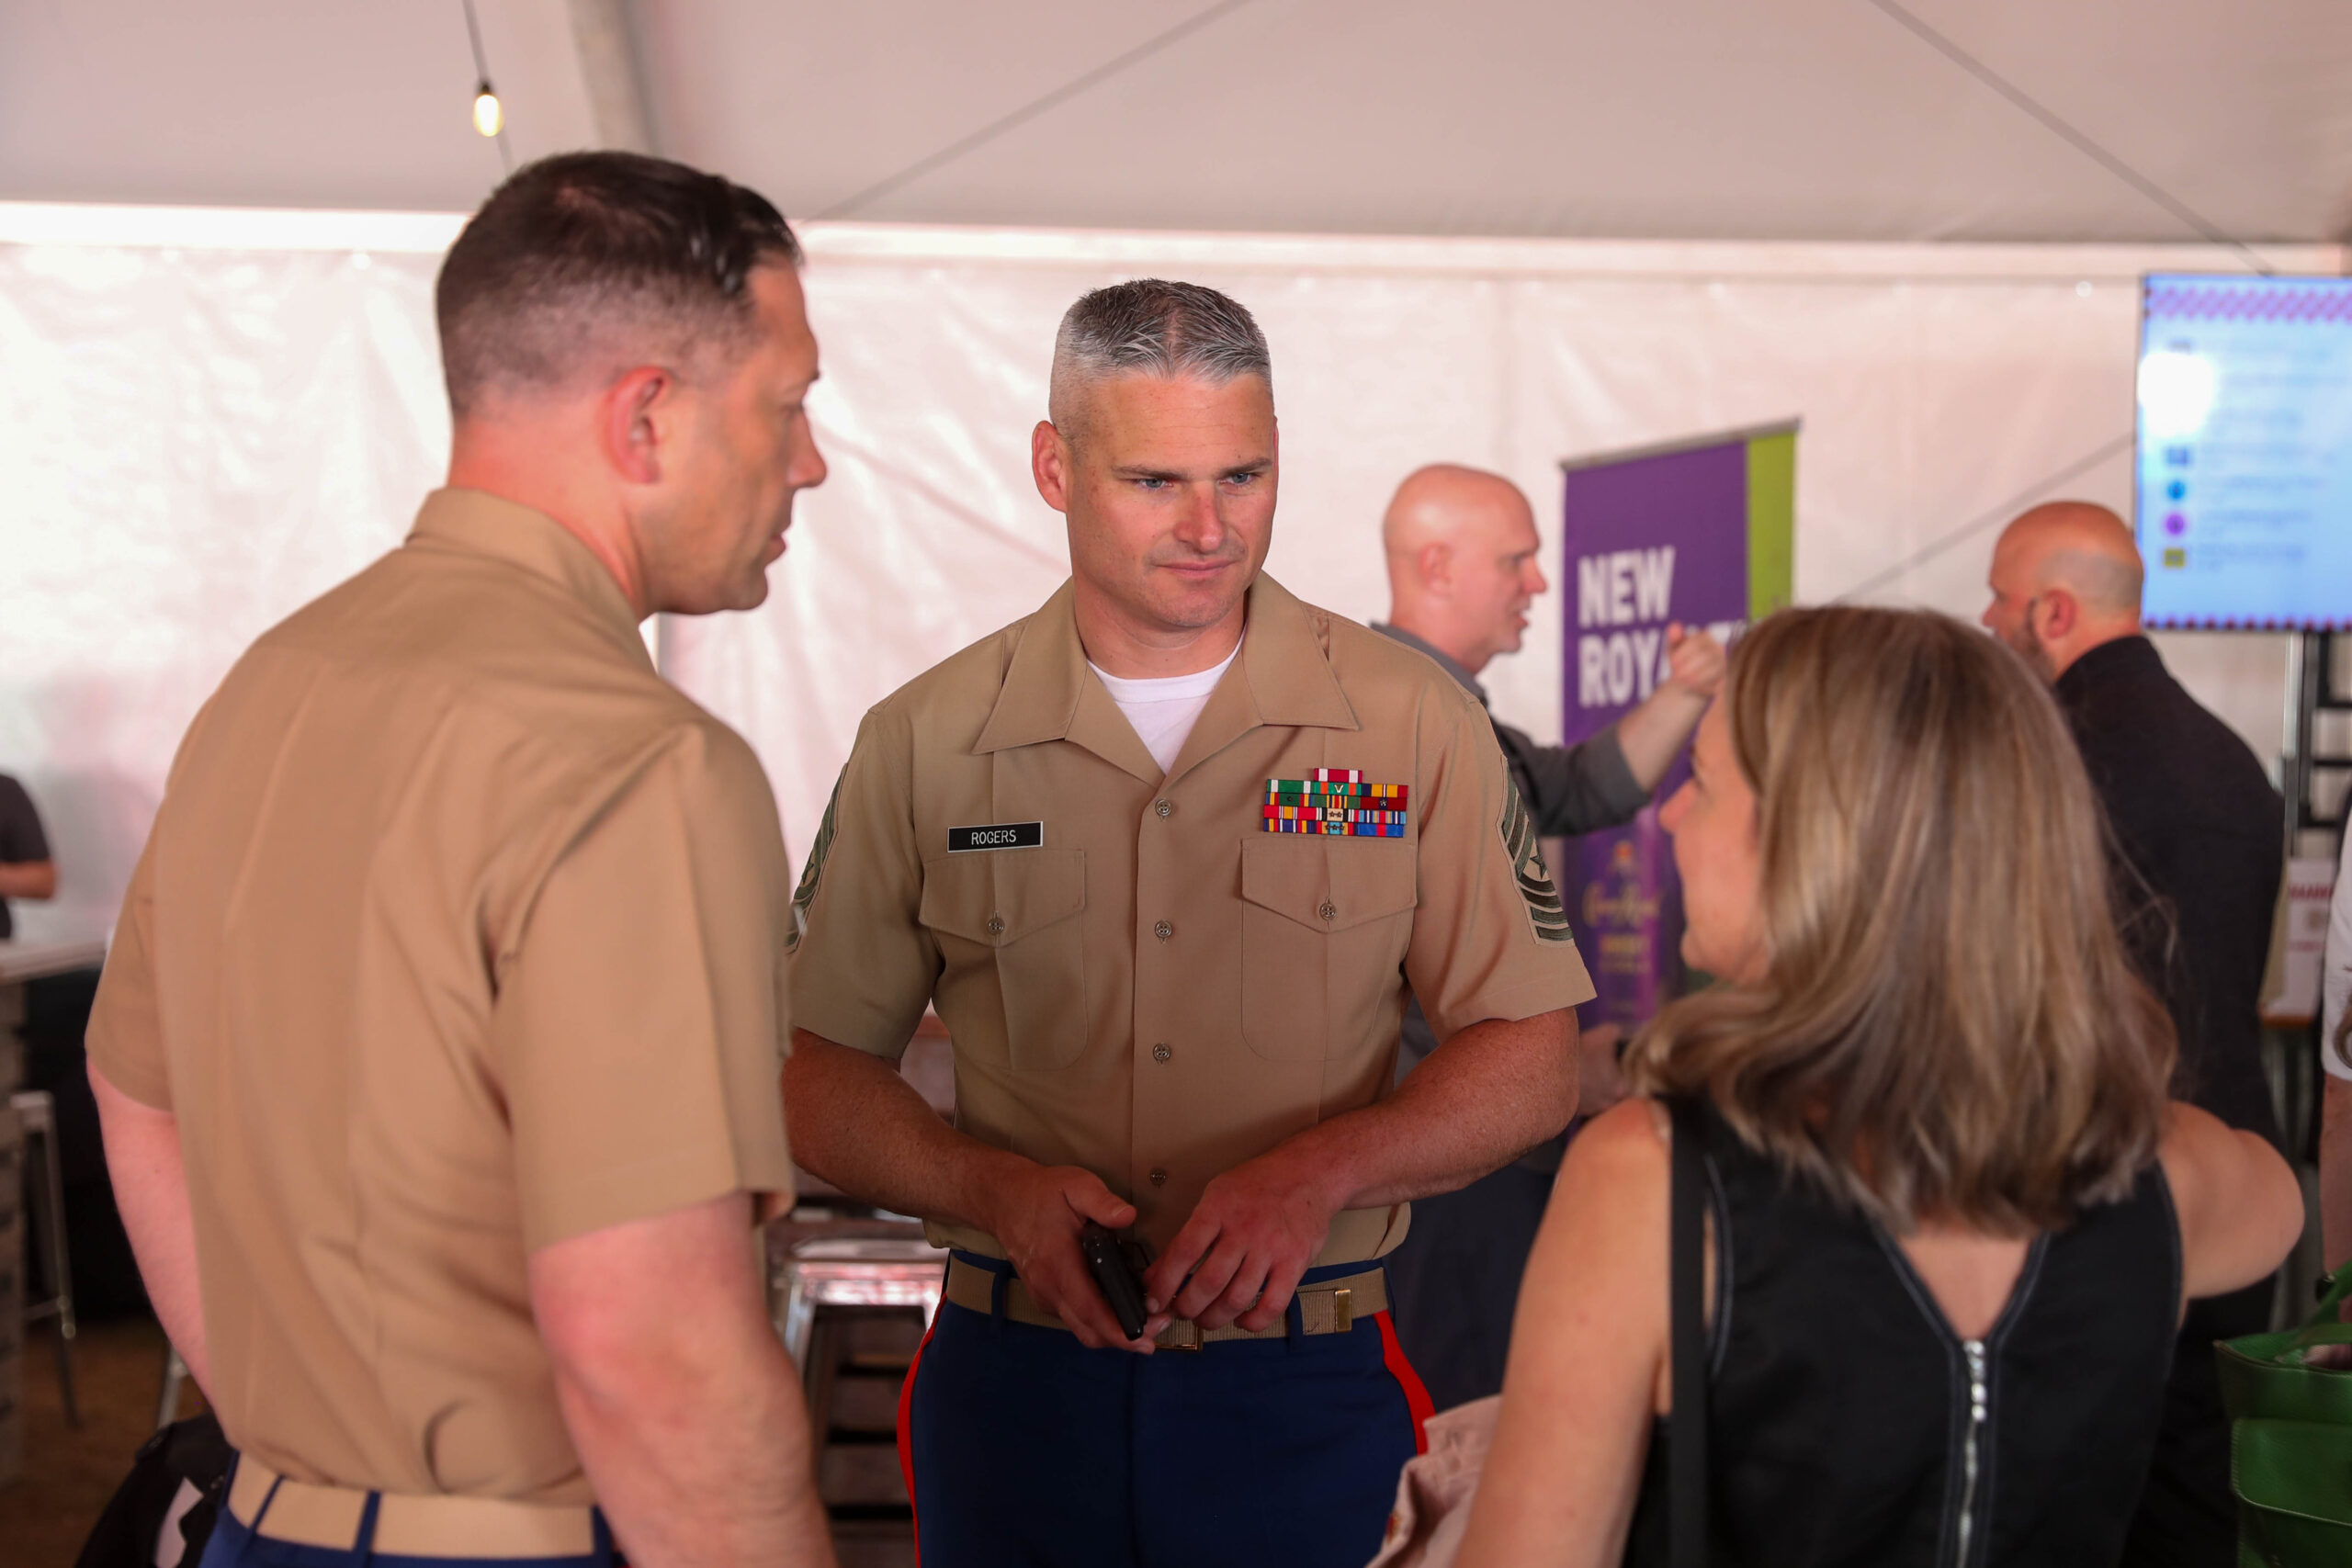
1157, 327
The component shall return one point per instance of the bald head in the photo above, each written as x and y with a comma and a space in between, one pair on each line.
2065, 578
1443, 501
1462, 544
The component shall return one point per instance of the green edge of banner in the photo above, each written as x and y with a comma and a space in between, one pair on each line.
1771, 522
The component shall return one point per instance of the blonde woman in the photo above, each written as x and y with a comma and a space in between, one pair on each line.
1953, 1219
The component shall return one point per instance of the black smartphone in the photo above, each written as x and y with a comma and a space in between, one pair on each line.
1116, 1275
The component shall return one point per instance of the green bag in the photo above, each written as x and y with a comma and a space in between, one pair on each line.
2290, 1440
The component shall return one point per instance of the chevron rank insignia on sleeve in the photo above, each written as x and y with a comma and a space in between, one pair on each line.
814, 872
1545, 913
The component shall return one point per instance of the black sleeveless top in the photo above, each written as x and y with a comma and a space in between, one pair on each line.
1843, 1414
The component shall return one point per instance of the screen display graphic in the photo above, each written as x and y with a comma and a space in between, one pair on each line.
2243, 489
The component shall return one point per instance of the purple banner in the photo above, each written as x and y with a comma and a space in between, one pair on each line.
1647, 540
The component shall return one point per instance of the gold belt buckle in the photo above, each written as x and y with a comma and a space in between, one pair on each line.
1332, 1311
1190, 1333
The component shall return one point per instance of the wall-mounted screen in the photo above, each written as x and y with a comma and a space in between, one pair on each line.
2243, 505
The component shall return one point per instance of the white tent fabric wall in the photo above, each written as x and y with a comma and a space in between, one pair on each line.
209, 422
198, 440
1935, 383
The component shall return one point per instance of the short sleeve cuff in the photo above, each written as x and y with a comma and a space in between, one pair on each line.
124, 1036
1532, 1000
849, 1027
643, 1189
138, 1080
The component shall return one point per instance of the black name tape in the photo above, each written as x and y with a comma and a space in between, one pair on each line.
1002, 835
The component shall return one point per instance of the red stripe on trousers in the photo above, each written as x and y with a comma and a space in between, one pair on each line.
1416, 1398
905, 1432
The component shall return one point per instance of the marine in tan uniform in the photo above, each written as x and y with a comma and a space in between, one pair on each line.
1174, 979
438, 1046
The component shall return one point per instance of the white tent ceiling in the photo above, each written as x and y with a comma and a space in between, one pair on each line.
1690, 118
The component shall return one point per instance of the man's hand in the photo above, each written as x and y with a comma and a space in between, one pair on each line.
1255, 1231
1695, 660
862, 1127
1037, 1212
1600, 1083
1652, 734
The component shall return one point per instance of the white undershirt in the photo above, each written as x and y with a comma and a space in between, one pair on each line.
1164, 711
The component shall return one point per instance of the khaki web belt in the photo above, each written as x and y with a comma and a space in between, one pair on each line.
1326, 1306
308, 1514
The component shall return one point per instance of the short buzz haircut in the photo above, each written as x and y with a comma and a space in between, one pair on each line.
586, 258
1157, 327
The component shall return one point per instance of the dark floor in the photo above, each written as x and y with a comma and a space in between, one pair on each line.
70, 1473
857, 1470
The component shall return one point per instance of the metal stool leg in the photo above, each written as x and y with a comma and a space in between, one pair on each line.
818, 1375
41, 1121
167, 1403
798, 1320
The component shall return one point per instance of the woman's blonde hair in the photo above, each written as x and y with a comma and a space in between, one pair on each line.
1947, 1026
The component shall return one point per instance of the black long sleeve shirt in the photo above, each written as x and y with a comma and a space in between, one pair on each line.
2197, 850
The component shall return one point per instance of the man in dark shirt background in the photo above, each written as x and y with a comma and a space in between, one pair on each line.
2197, 830
26, 870
1461, 572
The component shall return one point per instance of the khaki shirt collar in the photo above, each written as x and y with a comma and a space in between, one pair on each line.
473, 522
1283, 677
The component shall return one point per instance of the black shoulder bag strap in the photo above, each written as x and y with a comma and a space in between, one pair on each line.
1687, 1424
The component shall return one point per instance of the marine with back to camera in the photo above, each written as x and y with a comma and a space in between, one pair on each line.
437, 1048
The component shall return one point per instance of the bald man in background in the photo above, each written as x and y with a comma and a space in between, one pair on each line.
2197, 834
1462, 544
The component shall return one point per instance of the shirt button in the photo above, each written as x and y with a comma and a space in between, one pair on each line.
1163, 930
996, 925
1160, 1053
1165, 808
1159, 1179
1330, 911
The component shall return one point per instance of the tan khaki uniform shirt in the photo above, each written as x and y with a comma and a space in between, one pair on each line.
460, 932
1160, 987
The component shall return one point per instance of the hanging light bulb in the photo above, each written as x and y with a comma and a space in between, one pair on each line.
489, 116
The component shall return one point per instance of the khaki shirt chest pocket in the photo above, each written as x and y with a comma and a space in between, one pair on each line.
1014, 911
1324, 923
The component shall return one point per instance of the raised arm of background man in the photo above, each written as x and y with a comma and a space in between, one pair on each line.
1653, 734
1463, 551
